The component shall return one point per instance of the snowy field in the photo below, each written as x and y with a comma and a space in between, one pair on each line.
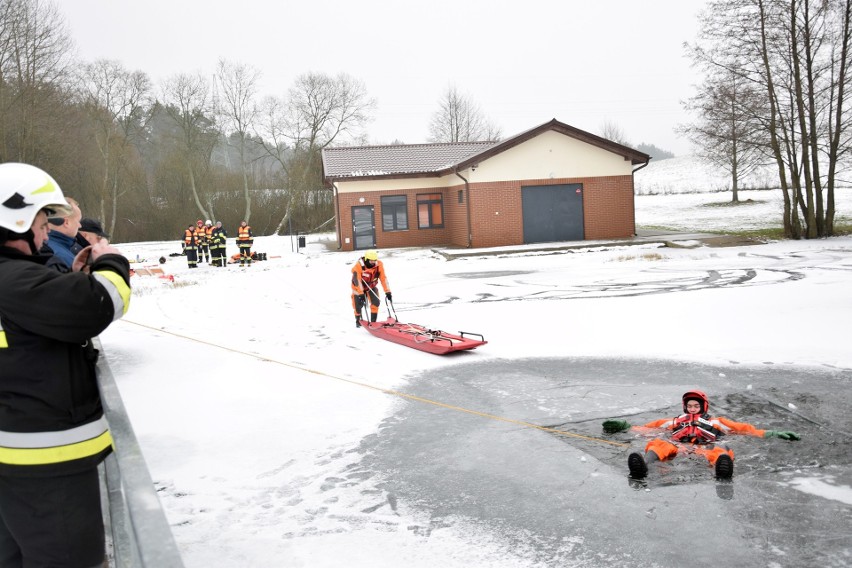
250, 388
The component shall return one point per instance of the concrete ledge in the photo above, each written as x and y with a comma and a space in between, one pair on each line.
689, 240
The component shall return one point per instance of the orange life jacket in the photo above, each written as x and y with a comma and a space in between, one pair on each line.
695, 429
367, 278
244, 233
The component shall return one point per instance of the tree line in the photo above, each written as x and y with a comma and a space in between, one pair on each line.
148, 160
776, 92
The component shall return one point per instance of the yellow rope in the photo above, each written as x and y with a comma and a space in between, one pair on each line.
388, 391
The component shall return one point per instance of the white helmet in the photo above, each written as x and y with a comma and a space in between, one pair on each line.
24, 191
208, 222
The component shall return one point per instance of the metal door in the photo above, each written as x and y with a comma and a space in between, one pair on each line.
363, 227
553, 213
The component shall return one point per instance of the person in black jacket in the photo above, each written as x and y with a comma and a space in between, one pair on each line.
53, 433
218, 240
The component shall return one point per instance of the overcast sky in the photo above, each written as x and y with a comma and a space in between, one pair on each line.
583, 63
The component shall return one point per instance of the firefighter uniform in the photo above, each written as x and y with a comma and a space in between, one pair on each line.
202, 242
190, 247
53, 432
244, 241
218, 239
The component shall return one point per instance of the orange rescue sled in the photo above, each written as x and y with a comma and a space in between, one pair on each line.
422, 338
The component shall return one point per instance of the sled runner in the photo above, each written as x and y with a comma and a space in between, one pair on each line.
421, 338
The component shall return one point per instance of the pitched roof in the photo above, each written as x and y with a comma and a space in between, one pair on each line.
373, 161
435, 160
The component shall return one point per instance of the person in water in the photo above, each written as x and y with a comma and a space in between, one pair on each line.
696, 432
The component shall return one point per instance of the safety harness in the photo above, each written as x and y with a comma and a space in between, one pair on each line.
695, 429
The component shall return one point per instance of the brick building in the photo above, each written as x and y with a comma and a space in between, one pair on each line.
551, 183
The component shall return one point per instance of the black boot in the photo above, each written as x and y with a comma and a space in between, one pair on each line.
637, 466
357, 321
373, 317
724, 467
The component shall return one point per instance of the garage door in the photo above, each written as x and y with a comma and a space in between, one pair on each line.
553, 213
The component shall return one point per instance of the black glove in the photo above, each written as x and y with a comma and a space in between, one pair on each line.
388, 296
360, 302
613, 426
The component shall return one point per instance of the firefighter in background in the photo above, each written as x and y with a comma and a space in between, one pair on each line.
218, 239
201, 242
190, 247
693, 432
366, 275
244, 241
207, 246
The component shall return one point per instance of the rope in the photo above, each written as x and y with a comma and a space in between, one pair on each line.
387, 391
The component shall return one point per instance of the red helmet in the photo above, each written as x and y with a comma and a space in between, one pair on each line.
700, 397
199, 223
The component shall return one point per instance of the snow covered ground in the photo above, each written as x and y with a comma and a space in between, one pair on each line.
250, 388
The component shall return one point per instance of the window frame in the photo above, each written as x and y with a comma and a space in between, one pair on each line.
429, 201
395, 209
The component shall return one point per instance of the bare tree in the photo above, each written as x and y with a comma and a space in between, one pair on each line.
319, 111
796, 53
614, 133
35, 49
459, 119
728, 132
186, 99
238, 112
119, 103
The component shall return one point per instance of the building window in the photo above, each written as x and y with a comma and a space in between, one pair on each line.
394, 213
461, 196
430, 211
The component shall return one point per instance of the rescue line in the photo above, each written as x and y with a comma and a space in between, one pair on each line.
384, 390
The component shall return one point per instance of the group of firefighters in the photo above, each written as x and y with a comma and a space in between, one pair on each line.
205, 242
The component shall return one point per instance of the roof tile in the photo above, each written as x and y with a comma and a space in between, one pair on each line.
359, 161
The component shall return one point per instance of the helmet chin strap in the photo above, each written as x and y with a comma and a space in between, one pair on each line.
28, 237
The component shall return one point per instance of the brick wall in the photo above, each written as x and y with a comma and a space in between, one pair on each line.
413, 237
496, 215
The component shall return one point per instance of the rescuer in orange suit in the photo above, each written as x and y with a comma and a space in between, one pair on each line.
695, 431
366, 275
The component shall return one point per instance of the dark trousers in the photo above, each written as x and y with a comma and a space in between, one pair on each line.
245, 252
191, 256
51, 521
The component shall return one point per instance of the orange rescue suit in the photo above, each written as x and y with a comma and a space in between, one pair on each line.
365, 280
696, 433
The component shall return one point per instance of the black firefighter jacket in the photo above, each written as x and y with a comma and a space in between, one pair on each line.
51, 419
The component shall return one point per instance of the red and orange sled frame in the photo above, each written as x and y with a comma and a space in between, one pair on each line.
422, 338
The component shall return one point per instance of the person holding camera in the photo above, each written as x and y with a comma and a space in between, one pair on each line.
53, 432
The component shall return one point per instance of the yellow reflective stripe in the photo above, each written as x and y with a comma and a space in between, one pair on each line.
48, 187
3, 343
118, 290
58, 454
